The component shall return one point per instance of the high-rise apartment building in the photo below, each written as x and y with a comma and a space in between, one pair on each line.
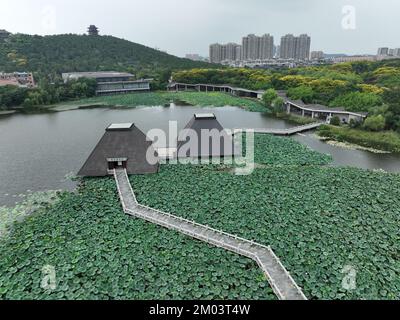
317, 55
257, 48
383, 51
216, 53
223, 52
303, 45
266, 47
297, 48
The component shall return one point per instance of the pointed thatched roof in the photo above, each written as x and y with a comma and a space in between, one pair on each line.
121, 142
218, 144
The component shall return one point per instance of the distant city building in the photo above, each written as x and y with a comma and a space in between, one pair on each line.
93, 30
341, 59
261, 48
216, 53
288, 47
383, 51
297, 48
4, 34
277, 51
111, 82
225, 52
194, 57
18, 79
317, 55
254, 47
303, 45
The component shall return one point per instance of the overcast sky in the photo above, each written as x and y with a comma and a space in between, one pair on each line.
189, 26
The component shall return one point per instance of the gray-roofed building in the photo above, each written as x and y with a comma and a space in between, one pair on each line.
321, 112
122, 145
204, 137
111, 82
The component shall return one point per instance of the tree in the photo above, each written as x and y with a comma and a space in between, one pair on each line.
375, 123
278, 104
269, 96
335, 121
357, 101
304, 93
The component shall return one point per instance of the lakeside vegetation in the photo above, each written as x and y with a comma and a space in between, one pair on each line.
99, 253
319, 220
372, 87
384, 140
161, 98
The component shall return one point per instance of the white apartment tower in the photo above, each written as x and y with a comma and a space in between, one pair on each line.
216, 54
297, 48
257, 48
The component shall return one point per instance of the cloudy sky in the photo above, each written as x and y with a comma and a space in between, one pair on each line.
189, 26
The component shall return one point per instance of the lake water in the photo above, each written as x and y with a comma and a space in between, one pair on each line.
37, 152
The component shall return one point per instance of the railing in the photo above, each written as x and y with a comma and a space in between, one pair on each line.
172, 222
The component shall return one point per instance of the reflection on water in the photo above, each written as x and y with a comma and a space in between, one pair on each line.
38, 151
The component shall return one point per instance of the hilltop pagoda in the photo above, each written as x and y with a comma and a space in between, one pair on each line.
93, 30
4, 34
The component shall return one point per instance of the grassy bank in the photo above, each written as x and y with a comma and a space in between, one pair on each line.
387, 140
294, 119
161, 98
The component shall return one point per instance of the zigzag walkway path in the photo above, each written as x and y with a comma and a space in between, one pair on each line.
280, 280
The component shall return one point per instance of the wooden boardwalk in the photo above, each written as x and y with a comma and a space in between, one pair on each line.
280, 280
284, 132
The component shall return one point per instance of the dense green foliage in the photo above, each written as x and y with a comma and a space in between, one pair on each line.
304, 93
372, 87
375, 123
11, 96
98, 252
357, 101
274, 151
317, 220
268, 97
49, 56
215, 99
244, 78
385, 140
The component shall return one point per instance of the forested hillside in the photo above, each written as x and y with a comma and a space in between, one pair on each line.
49, 56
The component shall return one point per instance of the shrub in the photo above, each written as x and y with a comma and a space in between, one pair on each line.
269, 96
335, 121
375, 123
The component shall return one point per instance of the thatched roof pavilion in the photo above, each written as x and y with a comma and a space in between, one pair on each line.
123, 145
211, 139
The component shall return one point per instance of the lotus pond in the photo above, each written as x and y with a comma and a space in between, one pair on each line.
160, 98
321, 221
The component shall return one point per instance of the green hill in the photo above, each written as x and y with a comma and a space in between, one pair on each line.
49, 56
